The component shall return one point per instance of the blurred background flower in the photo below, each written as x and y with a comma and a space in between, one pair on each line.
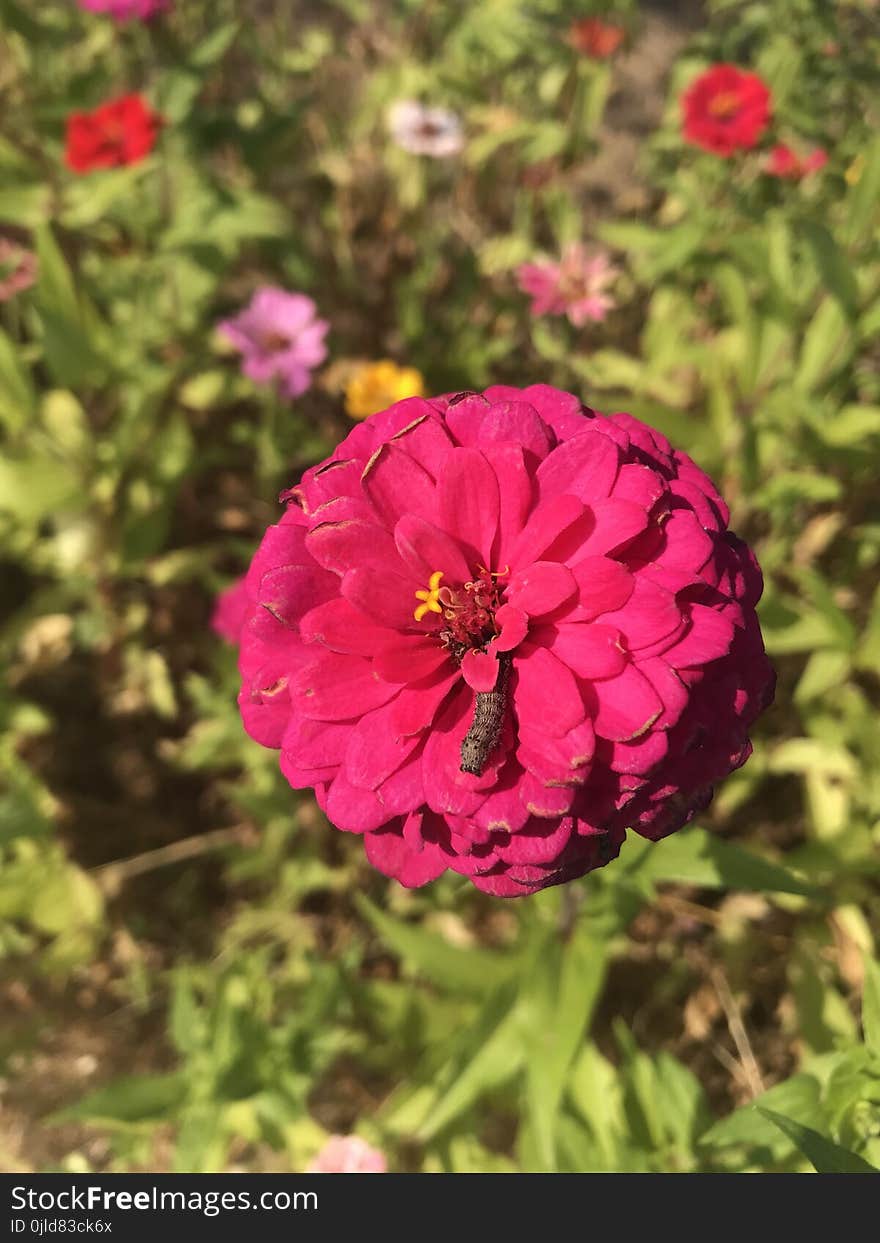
280, 338
784, 162
18, 268
576, 286
348, 1154
423, 130
126, 10
375, 386
594, 38
725, 110
121, 131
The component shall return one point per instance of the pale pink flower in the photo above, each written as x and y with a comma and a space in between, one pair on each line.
18, 268
126, 10
280, 338
422, 130
576, 286
348, 1154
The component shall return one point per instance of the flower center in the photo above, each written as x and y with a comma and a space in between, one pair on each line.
467, 612
273, 342
430, 598
429, 129
724, 104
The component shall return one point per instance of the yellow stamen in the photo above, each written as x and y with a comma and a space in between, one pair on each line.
431, 597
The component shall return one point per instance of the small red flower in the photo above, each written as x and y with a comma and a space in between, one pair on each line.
592, 37
121, 131
783, 162
725, 110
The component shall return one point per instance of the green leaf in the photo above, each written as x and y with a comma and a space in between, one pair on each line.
67, 900
31, 488
828, 343
864, 197
871, 1005
850, 427
469, 971
17, 399
825, 1156
560, 1007
25, 204
798, 1096
835, 270
55, 286
209, 51
134, 1098
824, 670
69, 329
695, 857
499, 1041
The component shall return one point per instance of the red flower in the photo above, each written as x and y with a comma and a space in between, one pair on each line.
122, 131
783, 162
725, 110
593, 37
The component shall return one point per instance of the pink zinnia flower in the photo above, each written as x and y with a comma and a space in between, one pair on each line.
18, 268
576, 286
126, 10
784, 162
280, 338
494, 632
348, 1154
231, 611
425, 131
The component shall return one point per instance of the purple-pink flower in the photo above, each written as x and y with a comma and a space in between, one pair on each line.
422, 130
18, 268
348, 1154
576, 286
126, 10
280, 338
496, 631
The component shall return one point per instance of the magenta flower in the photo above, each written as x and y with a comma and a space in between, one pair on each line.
425, 131
231, 611
18, 268
348, 1154
280, 338
126, 10
494, 632
576, 286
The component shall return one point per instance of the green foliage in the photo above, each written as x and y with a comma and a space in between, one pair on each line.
169, 909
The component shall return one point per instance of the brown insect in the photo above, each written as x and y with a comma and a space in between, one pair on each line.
488, 721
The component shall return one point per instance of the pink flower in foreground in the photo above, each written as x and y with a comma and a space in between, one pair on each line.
425, 131
18, 268
576, 286
280, 338
348, 1154
231, 611
784, 162
126, 10
494, 632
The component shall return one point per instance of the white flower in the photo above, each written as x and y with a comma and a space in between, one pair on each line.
425, 131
